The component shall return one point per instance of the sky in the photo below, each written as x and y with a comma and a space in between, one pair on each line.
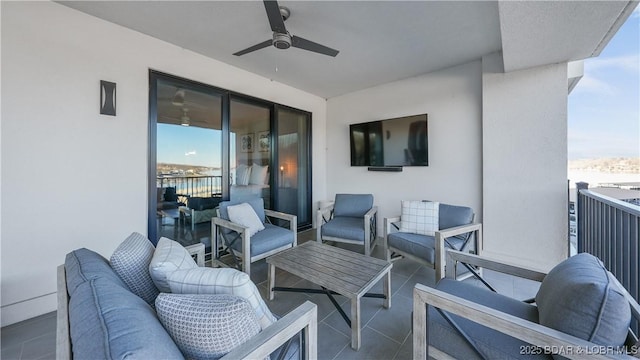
604, 108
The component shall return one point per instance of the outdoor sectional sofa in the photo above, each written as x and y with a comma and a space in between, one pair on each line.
104, 315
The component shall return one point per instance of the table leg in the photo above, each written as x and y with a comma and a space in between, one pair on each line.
355, 323
386, 288
271, 280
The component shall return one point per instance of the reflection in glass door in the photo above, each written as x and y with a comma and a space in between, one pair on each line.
294, 163
250, 151
188, 160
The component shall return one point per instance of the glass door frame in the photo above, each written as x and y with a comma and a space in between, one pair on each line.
226, 97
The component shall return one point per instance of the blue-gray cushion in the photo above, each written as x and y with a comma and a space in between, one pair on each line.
83, 265
453, 215
256, 203
131, 261
422, 246
352, 205
272, 237
577, 298
206, 326
351, 228
493, 344
109, 322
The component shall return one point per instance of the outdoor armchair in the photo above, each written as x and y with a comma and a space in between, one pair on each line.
352, 219
580, 311
454, 229
246, 248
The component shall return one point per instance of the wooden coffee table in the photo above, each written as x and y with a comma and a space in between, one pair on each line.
337, 271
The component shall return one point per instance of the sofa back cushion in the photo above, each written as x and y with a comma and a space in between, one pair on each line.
352, 205
131, 261
168, 257
577, 298
107, 321
206, 326
83, 265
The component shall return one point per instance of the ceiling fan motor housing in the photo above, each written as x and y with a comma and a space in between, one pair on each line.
281, 41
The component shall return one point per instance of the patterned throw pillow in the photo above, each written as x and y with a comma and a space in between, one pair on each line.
168, 257
420, 217
206, 326
131, 261
244, 214
221, 281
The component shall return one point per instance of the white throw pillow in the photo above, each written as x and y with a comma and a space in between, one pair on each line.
168, 257
244, 215
242, 174
420, 217
258, 174
221, 281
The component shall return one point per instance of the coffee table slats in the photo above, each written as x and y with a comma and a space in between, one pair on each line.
328, 278
320, 259
372, 263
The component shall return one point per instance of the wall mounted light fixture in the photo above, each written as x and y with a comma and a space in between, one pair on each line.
107, 98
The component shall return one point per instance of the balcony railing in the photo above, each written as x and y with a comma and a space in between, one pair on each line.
608, 229
196, 185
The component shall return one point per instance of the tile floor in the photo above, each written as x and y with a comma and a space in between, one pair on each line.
386, 333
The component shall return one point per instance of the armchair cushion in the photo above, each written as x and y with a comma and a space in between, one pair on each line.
221, 281
453, 215
272, 237
422, 246
351, 228
577, 298
243, 214
352, 205
168, 257
493, 344
420, 217
131, 261
206, 326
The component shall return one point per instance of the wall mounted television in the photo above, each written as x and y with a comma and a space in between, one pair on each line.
394, 142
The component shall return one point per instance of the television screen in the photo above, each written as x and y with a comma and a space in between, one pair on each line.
392, 142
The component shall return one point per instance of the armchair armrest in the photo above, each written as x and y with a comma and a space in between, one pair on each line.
228, 224
454, 256
524, 330
323, 215
443, 234
198, 251
260, 346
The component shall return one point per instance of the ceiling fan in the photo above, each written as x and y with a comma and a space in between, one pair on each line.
282, 39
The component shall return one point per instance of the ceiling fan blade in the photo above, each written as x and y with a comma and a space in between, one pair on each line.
275, 18
255, 47
302, 43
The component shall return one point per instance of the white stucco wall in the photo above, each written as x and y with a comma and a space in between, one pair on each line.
452, 99
72, 178
525, 163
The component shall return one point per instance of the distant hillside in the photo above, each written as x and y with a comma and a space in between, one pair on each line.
182, 169
607, 165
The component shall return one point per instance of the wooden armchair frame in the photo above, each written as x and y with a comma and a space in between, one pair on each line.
245, 254
530, 332
303, 318
440, 237
325, 214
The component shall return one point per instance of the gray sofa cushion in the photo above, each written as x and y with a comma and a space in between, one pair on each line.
351, 228
422, 246
131, 261
270, 238
107, 321
83, 265
207, 326
577, 298
493, 344
352, 205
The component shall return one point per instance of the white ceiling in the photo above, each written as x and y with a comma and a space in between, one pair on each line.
379, 42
